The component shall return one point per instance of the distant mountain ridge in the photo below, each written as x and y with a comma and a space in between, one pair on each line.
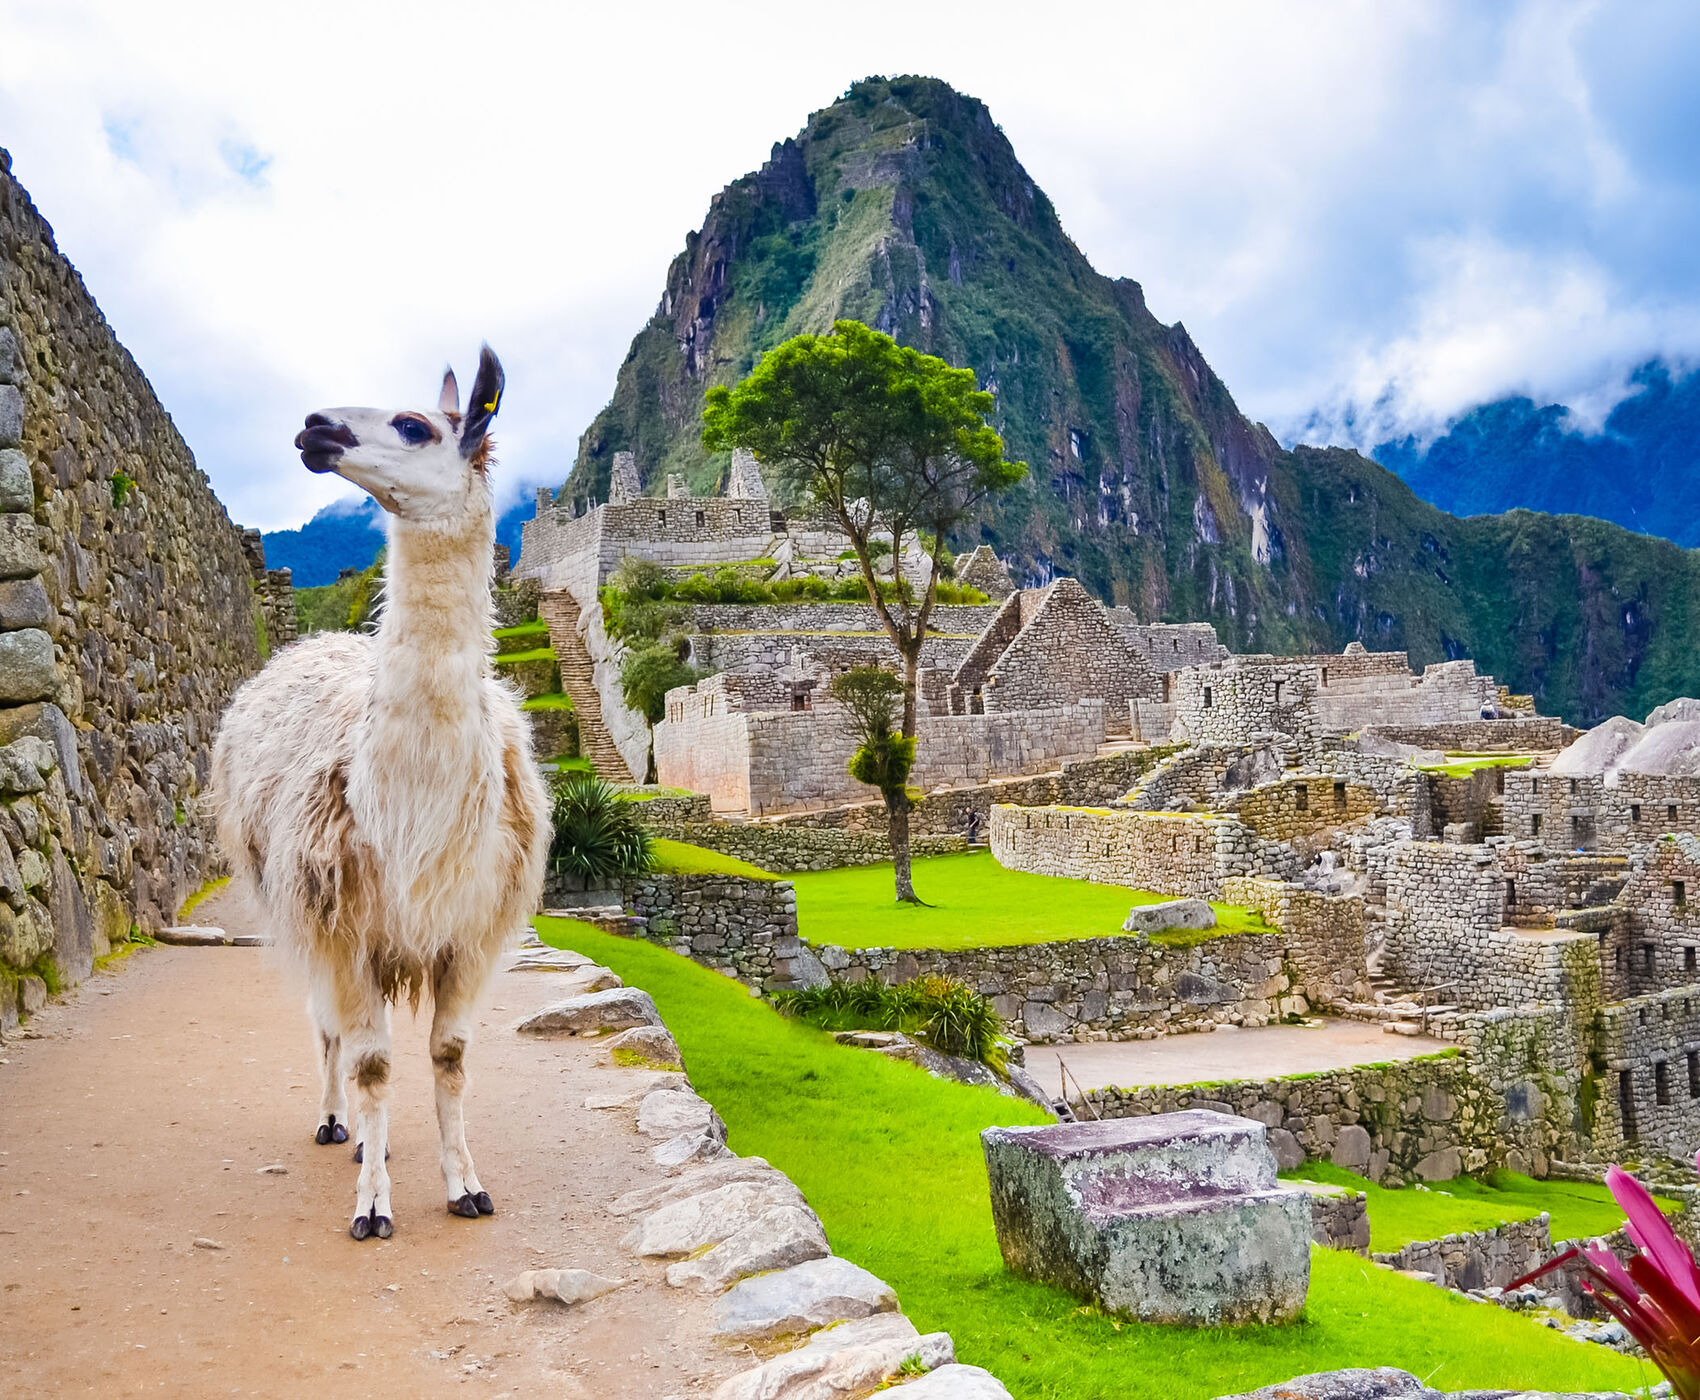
348, 534
1641, 470
903, 205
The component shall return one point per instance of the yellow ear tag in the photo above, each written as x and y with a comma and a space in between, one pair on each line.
491, 406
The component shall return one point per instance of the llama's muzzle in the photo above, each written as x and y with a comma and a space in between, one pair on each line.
323, 441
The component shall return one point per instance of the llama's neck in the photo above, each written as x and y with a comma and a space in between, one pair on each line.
434, 631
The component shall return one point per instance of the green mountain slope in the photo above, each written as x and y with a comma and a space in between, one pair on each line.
904, 206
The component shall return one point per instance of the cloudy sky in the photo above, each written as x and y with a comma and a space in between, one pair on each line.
1371, 216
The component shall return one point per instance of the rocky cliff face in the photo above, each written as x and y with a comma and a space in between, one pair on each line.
128, 614
903, 205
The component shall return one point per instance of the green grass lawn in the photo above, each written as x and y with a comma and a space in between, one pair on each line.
509, 658
1579, 1209
973, 902
1461, 765
525, 631
680, 858
553, 700
890, 1158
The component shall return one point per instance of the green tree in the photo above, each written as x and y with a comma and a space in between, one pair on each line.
646, 676
894, 444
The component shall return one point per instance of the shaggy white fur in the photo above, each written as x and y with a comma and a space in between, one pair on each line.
376, 794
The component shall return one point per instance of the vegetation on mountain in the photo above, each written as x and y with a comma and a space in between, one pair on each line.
903, 205
344, 606
1641, 468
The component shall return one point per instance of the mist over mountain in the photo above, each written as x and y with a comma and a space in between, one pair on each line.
903, 205
348, 534
1640, 469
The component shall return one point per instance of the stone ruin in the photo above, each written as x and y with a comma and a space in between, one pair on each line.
1177, 1218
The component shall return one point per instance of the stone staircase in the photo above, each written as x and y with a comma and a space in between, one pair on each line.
561, 611
1401, 1010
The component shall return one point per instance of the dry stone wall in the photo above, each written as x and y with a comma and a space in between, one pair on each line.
1505, 1099
1585, 813
1474, 735
1647, 1067
1244, 700
1479, 1258
787, 849
128, 615
1172, 853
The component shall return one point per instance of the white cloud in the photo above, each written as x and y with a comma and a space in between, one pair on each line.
1414, 204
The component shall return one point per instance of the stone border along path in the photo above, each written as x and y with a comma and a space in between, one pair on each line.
167, 1225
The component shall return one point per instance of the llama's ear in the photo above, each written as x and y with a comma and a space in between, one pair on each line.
486, 399
449, 400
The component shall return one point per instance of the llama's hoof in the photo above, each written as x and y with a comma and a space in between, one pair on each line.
360, 1151
466, 1207
330, 1131
365, 1226
485, 1205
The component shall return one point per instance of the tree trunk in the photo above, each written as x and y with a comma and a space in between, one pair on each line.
897, 814
911, 663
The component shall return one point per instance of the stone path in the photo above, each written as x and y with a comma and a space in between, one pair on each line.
149, 1245
560, 611
1261, 1052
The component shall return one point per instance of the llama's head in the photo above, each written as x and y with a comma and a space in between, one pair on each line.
417, 464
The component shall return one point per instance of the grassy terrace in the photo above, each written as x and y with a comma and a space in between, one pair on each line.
1461, 765
890, 1158
509, 658
973, 902
679, 858
534, 633
1579, 1209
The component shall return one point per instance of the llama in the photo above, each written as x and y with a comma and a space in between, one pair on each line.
376, 793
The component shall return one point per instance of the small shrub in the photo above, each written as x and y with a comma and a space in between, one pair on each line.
941, 1012
597, 837
646, 677
122, 485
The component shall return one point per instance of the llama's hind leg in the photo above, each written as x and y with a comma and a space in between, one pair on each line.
366, 1046
451, 1029
333, 1083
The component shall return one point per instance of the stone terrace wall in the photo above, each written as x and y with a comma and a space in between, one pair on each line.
1480, 1258
786, 849
128, 613
1302, 803
1505, 1100
1473, 735
838, 651
771, 762
1110, 988
950, 619
1324, 935
1170, 853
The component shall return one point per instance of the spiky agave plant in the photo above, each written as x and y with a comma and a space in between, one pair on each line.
1656, 1296
598, 836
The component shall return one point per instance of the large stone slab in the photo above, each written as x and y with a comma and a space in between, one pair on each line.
1175, 1218
594, 1012
800, 1299
1171, 913
699, 1221
956, 1382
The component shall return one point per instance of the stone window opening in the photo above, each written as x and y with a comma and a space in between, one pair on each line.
1670, 812
799, 699
1626, 1103
1694, 1074
776, 521
1617, 959
1535, 825
1499, 781
1177, 642
1165, 687
701, 518
1534, 785
1573, 786
1690, 963
661, 515
1340, 796
1301, 798
1634, 811
1661, 1081
1325, 675
1277, 692
1510, 893
1679, 893
1648, 953
1207, 697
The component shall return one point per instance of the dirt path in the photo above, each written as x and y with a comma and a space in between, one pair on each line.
1229, 1052
141, 1121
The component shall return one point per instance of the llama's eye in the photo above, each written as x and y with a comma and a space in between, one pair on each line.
413, 431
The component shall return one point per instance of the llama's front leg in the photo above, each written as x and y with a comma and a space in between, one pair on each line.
334, 1083
368, 1050
451, 1029
333, 1091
